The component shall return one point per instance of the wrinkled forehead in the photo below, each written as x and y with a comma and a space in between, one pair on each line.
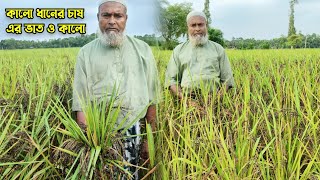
196, 20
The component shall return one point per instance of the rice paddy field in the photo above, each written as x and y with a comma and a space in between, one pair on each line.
266, 128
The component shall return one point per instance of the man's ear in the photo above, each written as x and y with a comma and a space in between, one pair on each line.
98, 16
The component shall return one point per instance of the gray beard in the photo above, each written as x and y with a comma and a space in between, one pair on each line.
198, 40
113, 39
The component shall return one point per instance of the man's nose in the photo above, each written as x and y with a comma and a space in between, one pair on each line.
111, 21
198, 28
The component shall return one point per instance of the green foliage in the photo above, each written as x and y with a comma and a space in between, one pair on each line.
97, 139
268, 128
265, 45
294, 40
169, 45
311, 41
206, 11
151, 40
216, 35
249, 133
292, 29
297, 41
173, 22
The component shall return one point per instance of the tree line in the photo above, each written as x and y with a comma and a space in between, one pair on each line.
307, 41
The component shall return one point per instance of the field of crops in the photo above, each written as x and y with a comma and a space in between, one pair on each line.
266, 128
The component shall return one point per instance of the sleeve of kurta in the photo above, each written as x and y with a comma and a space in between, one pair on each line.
80, 89
172, 72
226, 75
153, 80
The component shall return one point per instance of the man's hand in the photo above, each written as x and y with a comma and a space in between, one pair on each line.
151, 116
83, 127
192, 103
198, 109
144, 154
177, 91
81, 120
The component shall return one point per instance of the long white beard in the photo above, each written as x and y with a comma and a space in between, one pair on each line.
198, 40
113, 39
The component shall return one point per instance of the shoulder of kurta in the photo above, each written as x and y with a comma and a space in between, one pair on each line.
180, 47
141, 45
89, 46
144, 51
217, 46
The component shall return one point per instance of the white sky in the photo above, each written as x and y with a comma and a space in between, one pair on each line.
259, 19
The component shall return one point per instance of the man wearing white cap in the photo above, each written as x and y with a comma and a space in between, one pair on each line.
198, 63
116, 61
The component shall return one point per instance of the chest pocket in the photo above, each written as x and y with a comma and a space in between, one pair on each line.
211, 64
101, 85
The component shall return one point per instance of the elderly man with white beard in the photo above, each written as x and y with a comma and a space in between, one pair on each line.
116, 61
199, 63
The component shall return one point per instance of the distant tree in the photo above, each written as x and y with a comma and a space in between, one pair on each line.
299, 41
293, 38
313, 41
292, 29
206, 11
279, 43
173, 23
151, 40
216, 35
265, 45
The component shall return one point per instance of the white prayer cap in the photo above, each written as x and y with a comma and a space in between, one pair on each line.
196, 13
123, 2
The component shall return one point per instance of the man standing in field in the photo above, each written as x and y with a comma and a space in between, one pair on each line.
198, 64
116, 61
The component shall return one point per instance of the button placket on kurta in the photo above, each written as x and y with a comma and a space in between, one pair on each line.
194, 62
119, 69
118, 64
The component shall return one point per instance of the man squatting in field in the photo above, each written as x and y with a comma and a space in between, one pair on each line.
198, 63
115, 59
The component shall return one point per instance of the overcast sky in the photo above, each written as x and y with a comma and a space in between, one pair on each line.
259, 19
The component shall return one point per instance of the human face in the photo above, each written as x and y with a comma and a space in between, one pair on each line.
112, 17
197, 26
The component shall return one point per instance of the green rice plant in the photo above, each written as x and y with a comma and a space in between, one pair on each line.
97, 141
266, 128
